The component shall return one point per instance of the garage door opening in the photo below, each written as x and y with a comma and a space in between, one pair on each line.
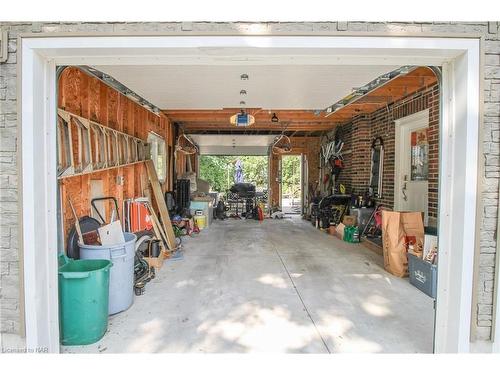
213, 183
228, 174
297, 268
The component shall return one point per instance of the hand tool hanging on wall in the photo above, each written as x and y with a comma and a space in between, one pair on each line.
336, 160
377, 167
282, 143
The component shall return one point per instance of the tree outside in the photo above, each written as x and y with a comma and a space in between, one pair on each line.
219, 170
290, 175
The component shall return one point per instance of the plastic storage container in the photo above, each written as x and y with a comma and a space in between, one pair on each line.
121, 282
83, 300
351, 234
423, 275
200, 221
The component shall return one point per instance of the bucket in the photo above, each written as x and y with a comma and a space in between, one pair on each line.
121, 281
200, 221
83, 300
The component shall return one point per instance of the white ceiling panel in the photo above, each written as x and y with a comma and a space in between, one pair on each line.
232, 140
268, 87
233, 144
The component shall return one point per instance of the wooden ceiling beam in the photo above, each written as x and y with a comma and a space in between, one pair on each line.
225, 118
305, 121
192, 128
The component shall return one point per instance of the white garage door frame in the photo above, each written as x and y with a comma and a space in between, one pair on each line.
459, 189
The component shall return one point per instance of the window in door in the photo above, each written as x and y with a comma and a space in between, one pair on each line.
419, 155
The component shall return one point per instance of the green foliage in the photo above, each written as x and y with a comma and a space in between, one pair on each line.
255, 170
214, 169
219, 171
290, 165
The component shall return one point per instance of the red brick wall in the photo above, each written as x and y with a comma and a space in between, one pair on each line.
362, 130
357, 142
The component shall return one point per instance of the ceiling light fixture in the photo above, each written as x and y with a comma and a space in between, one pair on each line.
243, 92
275, 118
243, 102
244, 77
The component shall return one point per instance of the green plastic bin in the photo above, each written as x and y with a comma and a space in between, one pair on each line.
351, 234
83, 300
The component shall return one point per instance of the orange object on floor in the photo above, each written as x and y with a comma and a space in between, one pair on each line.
260, 213
139, 217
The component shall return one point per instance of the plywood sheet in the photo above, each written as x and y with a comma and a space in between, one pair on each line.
88, 97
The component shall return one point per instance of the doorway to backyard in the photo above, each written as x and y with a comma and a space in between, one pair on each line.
291, 184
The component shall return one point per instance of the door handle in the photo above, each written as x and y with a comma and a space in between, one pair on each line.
403, 190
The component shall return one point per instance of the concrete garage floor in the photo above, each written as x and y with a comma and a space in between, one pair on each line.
276, 286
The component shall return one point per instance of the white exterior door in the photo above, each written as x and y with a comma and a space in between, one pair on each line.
412, 164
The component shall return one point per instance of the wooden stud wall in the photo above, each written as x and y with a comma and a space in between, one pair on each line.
88, 97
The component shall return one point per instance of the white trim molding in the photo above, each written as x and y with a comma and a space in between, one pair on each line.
413, 121
459, 147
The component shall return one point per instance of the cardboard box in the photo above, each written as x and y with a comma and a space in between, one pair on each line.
349, 220
397, 229
430, 242
157, 262
339, 232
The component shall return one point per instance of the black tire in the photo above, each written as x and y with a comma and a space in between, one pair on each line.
87, 224
143, 237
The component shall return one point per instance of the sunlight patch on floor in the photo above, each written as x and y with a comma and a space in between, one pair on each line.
259, 329
149, 338
377, 306
273, 280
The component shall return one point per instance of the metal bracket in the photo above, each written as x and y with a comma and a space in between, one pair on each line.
83, 135
132, 148
65, 162
124, 151
100, 155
